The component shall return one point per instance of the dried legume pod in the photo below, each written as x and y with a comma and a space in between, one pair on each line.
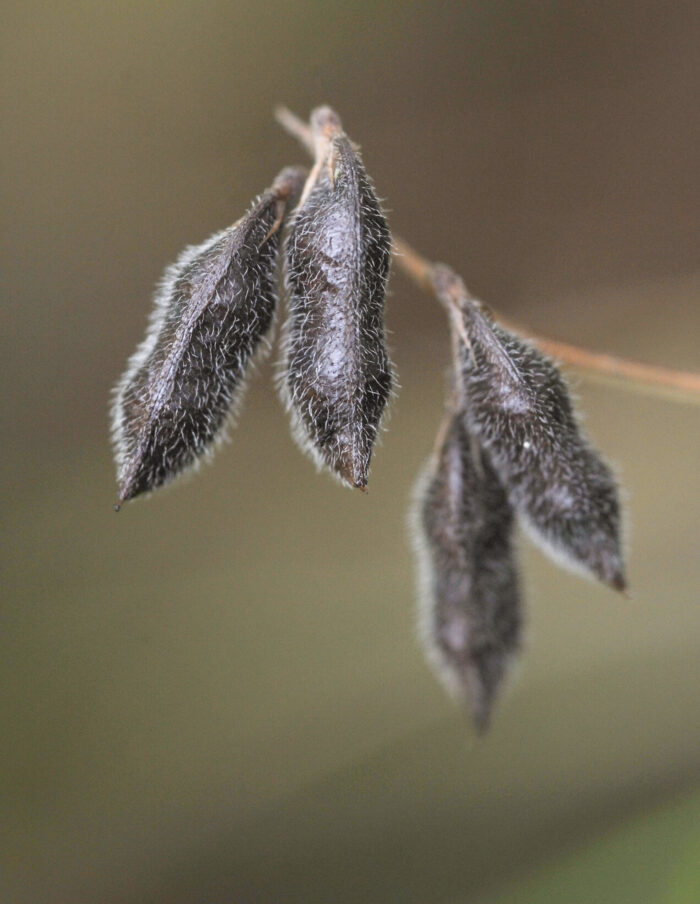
337, 376
470, 606
518, 406
212, 313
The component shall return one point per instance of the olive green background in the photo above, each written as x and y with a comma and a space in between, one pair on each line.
217, 696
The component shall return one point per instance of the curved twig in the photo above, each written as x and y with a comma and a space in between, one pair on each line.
679, 384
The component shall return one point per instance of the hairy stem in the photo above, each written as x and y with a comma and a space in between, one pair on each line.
649, 378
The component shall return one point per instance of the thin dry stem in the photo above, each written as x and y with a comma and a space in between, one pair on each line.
679, 384
295, 126
665, 380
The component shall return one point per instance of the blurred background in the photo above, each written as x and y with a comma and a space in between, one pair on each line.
217, 696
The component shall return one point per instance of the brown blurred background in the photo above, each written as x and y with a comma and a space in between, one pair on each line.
217, 695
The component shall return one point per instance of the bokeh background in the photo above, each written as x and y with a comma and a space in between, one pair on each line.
217, 696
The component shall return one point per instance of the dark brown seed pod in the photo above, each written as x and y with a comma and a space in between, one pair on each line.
336, 377
519, 408
470, 602
212, 312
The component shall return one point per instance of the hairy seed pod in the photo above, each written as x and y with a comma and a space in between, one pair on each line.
337, 376
212, 312
470, 607
518, 406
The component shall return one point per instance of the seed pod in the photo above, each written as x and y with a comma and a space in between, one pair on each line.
519, 407
336, 376
212, 312
470, 607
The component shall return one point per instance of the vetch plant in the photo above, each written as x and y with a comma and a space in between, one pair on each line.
511, 447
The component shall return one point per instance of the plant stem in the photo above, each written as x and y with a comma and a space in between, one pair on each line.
296, 127
635, 375
632, 373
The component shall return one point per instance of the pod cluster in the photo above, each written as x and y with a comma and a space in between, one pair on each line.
213, 314
513, 446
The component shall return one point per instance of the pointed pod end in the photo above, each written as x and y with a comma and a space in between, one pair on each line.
128, 490
351, 468
354, 477
619, 583
481, 719
478, 699
609, 570
481, 680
